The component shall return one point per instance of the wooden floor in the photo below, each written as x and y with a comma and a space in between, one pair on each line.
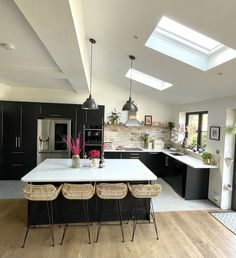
182, 234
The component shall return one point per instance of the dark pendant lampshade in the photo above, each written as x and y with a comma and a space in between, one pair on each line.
90, 103
130, 105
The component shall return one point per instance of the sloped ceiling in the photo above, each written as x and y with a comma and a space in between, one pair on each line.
51, 39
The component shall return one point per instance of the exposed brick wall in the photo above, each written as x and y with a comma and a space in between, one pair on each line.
131, 136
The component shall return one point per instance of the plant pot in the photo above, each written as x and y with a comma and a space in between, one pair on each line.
95, 163
207, 161
75, 161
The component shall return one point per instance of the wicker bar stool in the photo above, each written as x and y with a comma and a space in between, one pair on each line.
140, 192
82, 192
111, 191
38, 193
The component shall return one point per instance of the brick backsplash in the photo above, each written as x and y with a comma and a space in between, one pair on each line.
131, 136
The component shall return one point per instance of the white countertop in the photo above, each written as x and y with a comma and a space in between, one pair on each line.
60, 170
186, 159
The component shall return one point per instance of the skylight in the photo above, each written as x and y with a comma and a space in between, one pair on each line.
148, 80
187, 45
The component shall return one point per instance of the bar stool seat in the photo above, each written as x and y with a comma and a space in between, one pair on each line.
144, 191
46, 193
111, 191
82, 192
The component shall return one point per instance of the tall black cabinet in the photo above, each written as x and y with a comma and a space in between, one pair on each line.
18, 134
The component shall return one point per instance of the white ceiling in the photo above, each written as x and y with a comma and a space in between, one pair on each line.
49, 53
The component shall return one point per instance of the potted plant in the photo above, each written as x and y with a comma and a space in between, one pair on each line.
145, 138
75, 148
114, 117
206, 157
94, 155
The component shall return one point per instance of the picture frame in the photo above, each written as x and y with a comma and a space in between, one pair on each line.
148, 120
214, 133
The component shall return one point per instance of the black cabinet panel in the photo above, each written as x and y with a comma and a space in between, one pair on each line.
11, 125
91, 117
58, 110
112, 155
135, 155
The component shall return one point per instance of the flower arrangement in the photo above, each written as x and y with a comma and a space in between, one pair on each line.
145, 138
93, 154
73, 144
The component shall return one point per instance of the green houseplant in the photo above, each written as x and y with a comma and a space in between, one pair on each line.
206, 157
114, 117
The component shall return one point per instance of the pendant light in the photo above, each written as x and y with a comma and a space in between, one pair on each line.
90, 103
130, 105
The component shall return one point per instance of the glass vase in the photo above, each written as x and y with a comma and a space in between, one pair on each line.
75, 161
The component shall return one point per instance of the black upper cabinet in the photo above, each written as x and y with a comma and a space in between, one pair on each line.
58, 110
93, 117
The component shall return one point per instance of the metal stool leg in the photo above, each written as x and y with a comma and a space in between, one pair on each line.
99, 222
153, 217
85, 208
135, 211
23, 245
50, 221
120, 217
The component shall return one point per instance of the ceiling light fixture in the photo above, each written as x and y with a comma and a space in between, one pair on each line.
7, 46
90, 103
130, 105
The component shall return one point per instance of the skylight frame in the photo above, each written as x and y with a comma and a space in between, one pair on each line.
179, 35
186, 51
147, 79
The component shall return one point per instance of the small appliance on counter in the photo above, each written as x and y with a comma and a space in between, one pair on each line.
158, 145
50, 133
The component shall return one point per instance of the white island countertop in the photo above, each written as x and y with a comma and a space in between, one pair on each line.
60, 170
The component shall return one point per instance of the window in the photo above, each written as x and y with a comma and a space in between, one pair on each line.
187, 45
196, 129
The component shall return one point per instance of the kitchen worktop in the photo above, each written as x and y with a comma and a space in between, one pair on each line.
60, 170
186, 159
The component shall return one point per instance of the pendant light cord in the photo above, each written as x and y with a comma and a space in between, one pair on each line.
91, 68
130, 82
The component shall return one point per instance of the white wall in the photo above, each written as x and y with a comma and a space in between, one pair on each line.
220, 113
104, 93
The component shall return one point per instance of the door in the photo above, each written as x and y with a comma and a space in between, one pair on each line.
12, 127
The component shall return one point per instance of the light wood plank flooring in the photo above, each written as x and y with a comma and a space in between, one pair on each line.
182, 234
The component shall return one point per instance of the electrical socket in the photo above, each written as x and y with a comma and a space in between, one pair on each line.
218, 152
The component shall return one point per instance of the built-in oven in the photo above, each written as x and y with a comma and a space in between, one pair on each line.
50, 134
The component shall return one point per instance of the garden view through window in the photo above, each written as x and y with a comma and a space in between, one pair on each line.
196, 129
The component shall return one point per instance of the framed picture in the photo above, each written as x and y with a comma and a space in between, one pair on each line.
214, 133
148, 120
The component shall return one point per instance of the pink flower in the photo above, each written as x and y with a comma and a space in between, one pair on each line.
73, 144
94, 154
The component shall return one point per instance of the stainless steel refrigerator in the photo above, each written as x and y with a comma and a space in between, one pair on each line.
50, 133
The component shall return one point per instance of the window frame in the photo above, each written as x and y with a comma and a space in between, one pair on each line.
199, 129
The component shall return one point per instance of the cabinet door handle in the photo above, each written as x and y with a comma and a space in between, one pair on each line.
166, 161
16, 142
17, 165
17, 152
55, 115
134, 157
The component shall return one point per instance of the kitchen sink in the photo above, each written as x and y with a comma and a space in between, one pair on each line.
176, 153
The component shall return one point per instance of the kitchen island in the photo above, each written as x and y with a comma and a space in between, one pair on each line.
58, 171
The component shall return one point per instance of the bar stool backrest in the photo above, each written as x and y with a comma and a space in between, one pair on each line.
145, 190
45, 192
111, 190
78, 191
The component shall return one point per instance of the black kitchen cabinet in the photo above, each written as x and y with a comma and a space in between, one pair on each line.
155, 162
91, 118
112, 155
19, 138
190, 183
134, 155
58, 110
